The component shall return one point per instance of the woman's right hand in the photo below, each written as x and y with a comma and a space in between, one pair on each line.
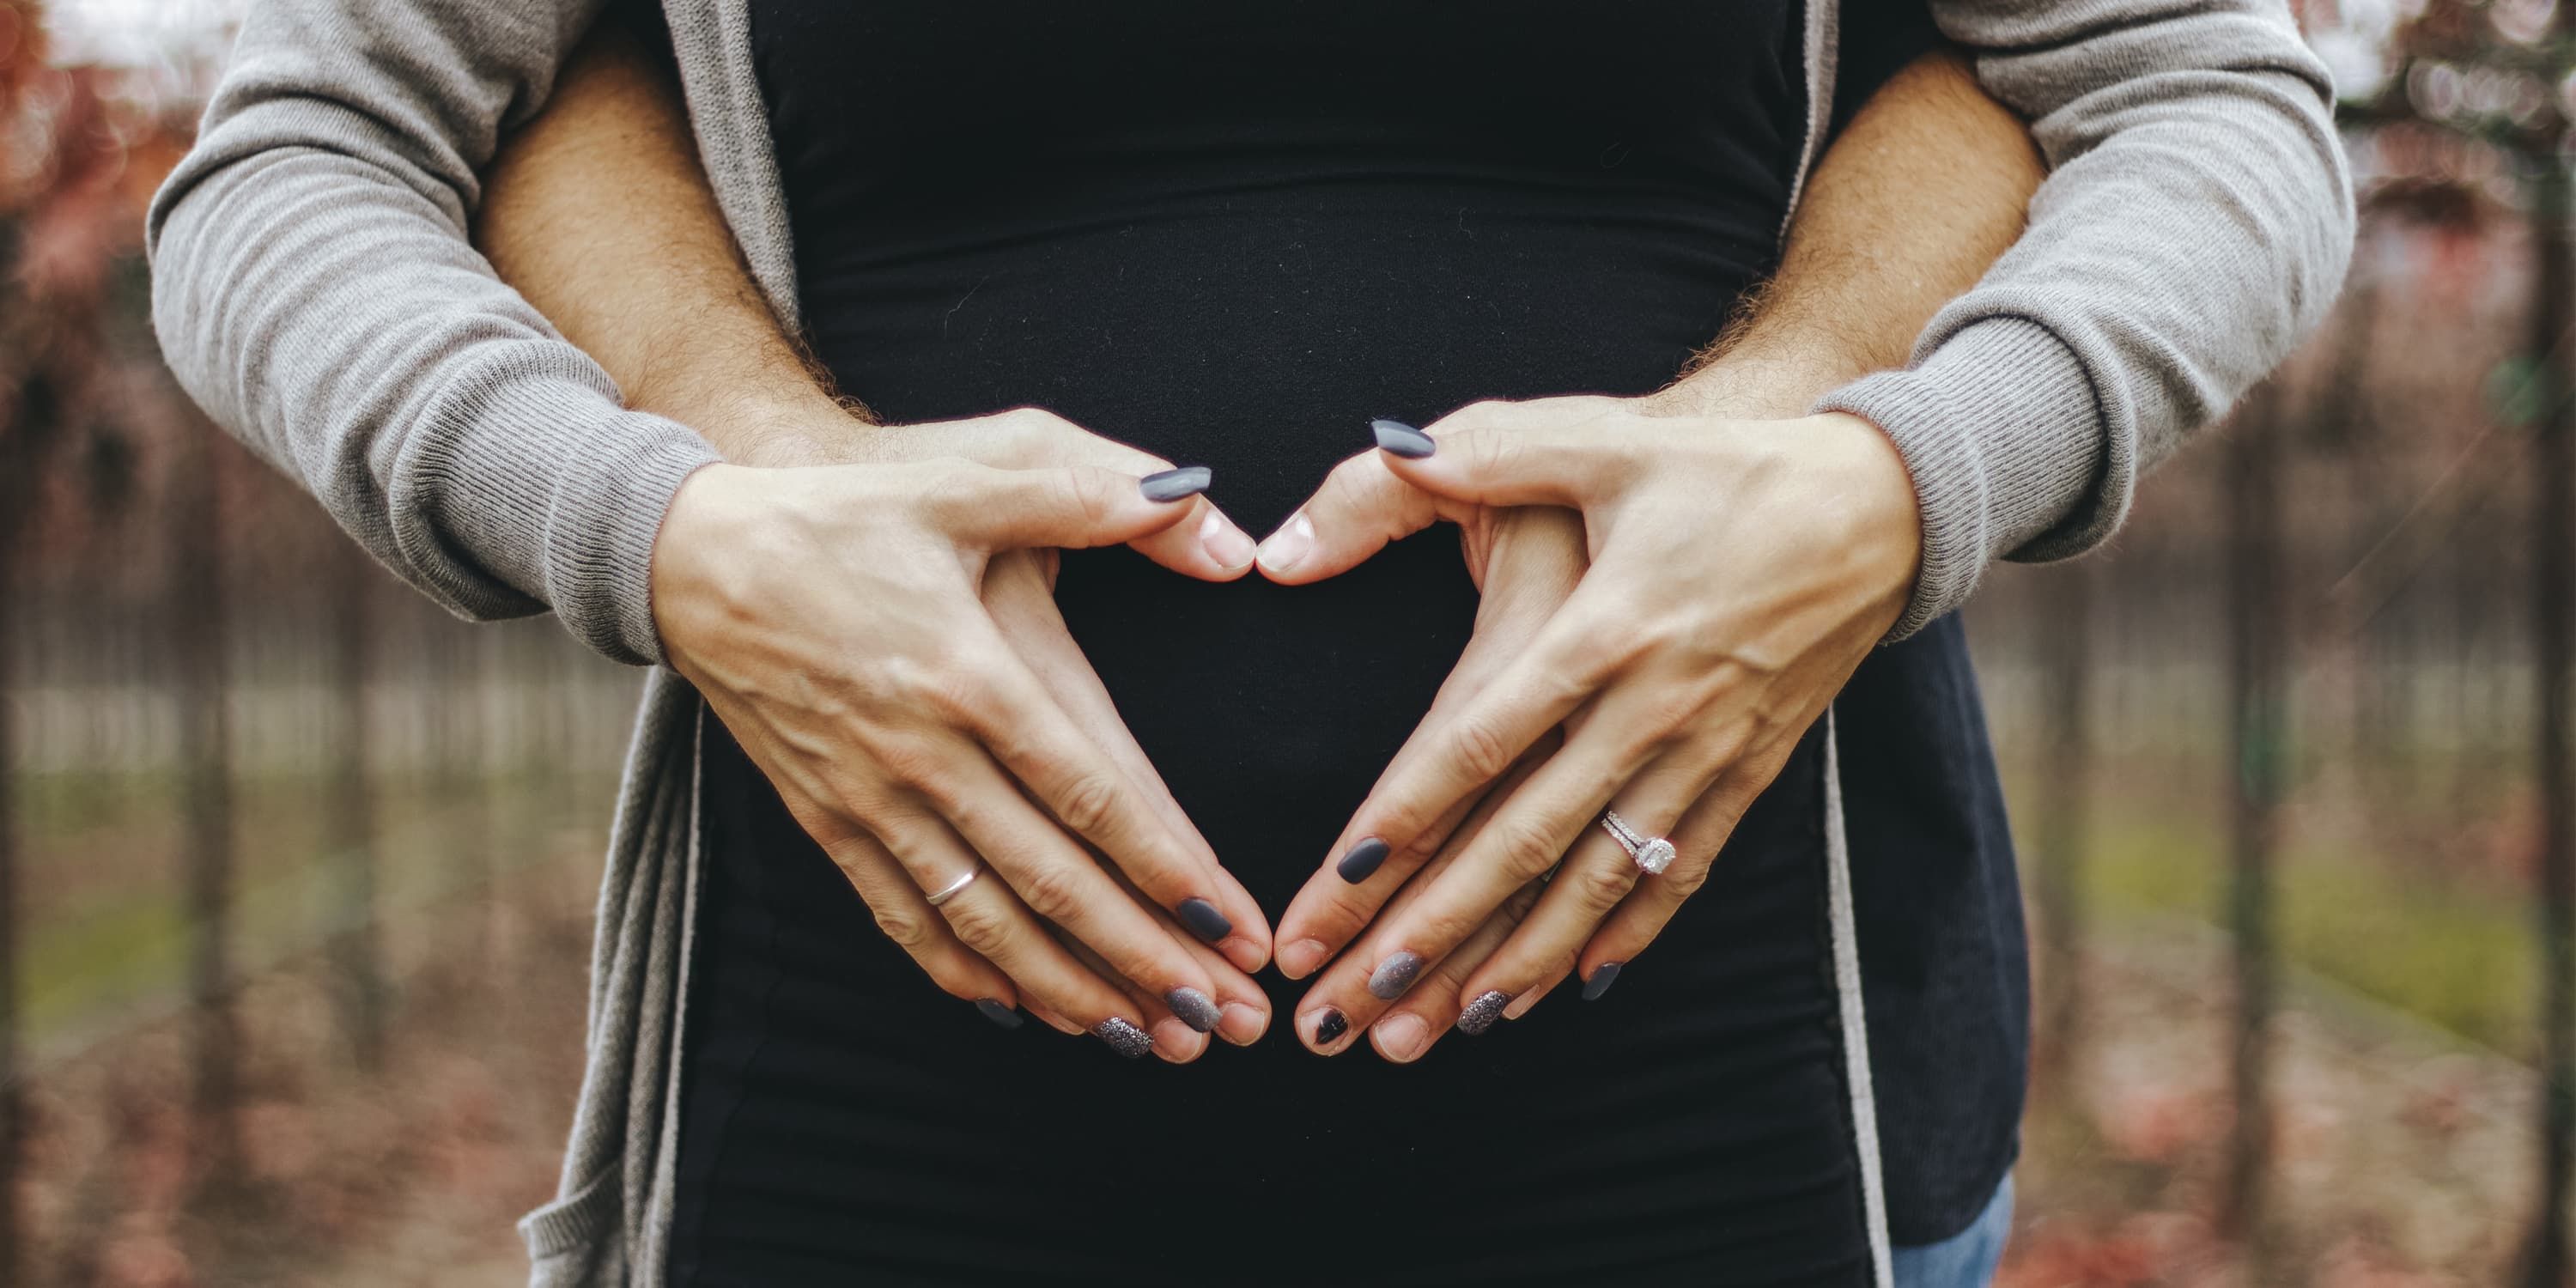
834, 617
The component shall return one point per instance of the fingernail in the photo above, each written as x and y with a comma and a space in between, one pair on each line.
1224, 542
1362, 859
1243, 1024
1481, 1013
1173, 485
1393, 976
1400, 439
1303, 956
1330, 1029
1402, 1036
1521, 1005
1204, 920
996, 1012
1194, 1008
1603, 976
1289, 546
1124, 1038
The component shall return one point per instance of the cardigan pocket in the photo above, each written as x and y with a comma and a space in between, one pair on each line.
575, 1221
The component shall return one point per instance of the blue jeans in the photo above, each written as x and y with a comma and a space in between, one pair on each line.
1966, 1259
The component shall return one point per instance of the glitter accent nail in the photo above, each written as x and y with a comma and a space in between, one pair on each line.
1329, 1029
1124, 1038
1204, 920
1194, 1008
996, 1012
1603, 976
1403, 440
1393, 976
1361, 860
1481, 1013
1173, 485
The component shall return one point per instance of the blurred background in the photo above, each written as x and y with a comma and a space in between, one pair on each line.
291, 955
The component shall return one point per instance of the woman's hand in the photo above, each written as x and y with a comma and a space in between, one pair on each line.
1739, 570
835, 617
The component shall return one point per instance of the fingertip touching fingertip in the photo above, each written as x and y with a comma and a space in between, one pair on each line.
1288, 547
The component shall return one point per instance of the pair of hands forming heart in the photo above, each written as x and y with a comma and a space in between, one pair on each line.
1670, 597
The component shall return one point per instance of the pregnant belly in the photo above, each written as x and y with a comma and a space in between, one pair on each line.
1259, 340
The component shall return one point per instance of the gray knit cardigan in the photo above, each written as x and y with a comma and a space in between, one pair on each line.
314, 288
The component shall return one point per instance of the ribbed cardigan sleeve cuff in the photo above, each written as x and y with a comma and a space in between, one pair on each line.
2001, 429
542, 481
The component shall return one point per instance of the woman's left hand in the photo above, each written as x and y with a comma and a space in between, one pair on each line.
1739, 571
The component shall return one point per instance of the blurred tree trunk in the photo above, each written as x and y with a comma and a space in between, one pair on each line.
357, 958
196, 606
2066, 781
2255, 701
2553, 567
23, 436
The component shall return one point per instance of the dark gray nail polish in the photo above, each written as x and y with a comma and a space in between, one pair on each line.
1204, 920
1362, 859
1403, 439
1331, 1027
1481, 1013
1603, 976
996, 1012
1195, 1008
1393, 976
1124, 1038
1172, 485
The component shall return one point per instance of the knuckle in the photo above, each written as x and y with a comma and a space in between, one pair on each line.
1085, 490
1087, 803
909, 761
1052, 891
958, 696
1479, 749
1524, 848
1601, 885
1685, 879
905, 926
984, 926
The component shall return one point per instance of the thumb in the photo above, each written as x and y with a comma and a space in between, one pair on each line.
1544, 452
1204, 543
1069, 506
1359, 509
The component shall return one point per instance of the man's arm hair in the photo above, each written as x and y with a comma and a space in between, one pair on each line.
600, 213
1913, 202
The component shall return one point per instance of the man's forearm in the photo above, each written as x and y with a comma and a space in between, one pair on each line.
600, 214
1913, 202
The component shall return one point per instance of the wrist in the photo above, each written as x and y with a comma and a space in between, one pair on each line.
698, 518
1756, 381
1860, 468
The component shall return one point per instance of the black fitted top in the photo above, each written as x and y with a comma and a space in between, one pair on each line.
1231, 234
